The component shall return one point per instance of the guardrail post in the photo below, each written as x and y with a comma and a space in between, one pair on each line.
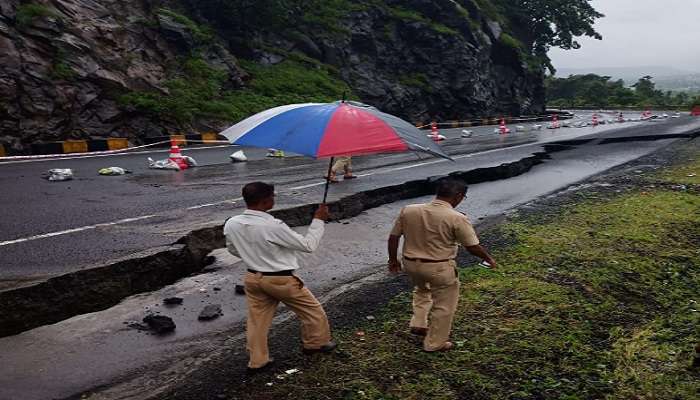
180, 140
209, 137
75, 146
117, 143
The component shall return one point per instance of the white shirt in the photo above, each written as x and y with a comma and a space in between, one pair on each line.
267, 244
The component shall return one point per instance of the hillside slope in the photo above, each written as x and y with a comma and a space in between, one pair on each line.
139, 68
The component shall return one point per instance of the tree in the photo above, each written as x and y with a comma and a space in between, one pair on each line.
645, 87
543, 24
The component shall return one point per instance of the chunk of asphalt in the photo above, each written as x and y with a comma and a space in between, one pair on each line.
159, 323
172, 301
212, 311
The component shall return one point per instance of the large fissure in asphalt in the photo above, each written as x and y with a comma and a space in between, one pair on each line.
95, 289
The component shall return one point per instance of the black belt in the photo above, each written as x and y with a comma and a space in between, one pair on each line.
423, 260
286, 272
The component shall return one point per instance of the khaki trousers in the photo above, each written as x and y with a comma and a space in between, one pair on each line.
435, 294
343, 163
264, 294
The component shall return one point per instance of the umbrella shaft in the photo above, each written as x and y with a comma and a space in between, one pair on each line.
328, 180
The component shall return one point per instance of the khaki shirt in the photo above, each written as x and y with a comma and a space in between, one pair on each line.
432, 231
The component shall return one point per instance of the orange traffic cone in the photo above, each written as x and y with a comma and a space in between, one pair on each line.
434, 132
175, 155
503, 128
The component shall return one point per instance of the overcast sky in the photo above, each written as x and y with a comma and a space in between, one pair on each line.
639, 33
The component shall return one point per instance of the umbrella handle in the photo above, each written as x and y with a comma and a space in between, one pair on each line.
328, 180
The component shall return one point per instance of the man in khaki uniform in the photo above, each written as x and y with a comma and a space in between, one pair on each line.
269, 248
431, 235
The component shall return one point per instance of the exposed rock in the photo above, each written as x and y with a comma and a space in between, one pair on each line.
62, 75
175, 32
211, 311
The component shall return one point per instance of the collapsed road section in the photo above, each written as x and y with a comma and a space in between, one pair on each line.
95, 289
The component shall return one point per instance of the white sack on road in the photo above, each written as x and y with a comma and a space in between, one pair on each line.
238, 156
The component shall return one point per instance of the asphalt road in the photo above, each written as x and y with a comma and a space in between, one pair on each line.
50, 361
50, 228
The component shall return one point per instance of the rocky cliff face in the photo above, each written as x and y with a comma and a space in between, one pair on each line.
66, 65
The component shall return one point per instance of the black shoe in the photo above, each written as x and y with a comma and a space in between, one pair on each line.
326, 348
266, 367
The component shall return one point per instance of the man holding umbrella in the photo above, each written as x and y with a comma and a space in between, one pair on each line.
269, 248
431, 234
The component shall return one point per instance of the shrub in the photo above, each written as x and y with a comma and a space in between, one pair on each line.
26, 13
404, 14
417, 80
510, 41
197, 91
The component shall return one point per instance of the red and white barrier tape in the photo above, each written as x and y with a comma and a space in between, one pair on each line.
104, 152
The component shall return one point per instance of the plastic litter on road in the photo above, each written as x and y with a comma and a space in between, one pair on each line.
112, 171
60, 174
163, 164
238, 156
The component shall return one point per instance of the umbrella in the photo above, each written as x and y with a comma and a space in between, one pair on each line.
333, 129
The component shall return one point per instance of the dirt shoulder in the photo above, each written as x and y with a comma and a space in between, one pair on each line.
595, 296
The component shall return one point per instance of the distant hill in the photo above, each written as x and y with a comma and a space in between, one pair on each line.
665, 78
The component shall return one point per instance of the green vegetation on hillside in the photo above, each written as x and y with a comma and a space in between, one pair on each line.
599, 91
26, 13
596, 301
198, 92
202, 34
404, 14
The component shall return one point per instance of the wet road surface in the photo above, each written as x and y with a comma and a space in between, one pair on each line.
50, 228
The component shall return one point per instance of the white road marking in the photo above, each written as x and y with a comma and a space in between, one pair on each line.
234, 201
308, 186
231, 201
74, 230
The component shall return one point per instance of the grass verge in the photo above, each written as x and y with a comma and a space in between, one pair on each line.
597, 301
